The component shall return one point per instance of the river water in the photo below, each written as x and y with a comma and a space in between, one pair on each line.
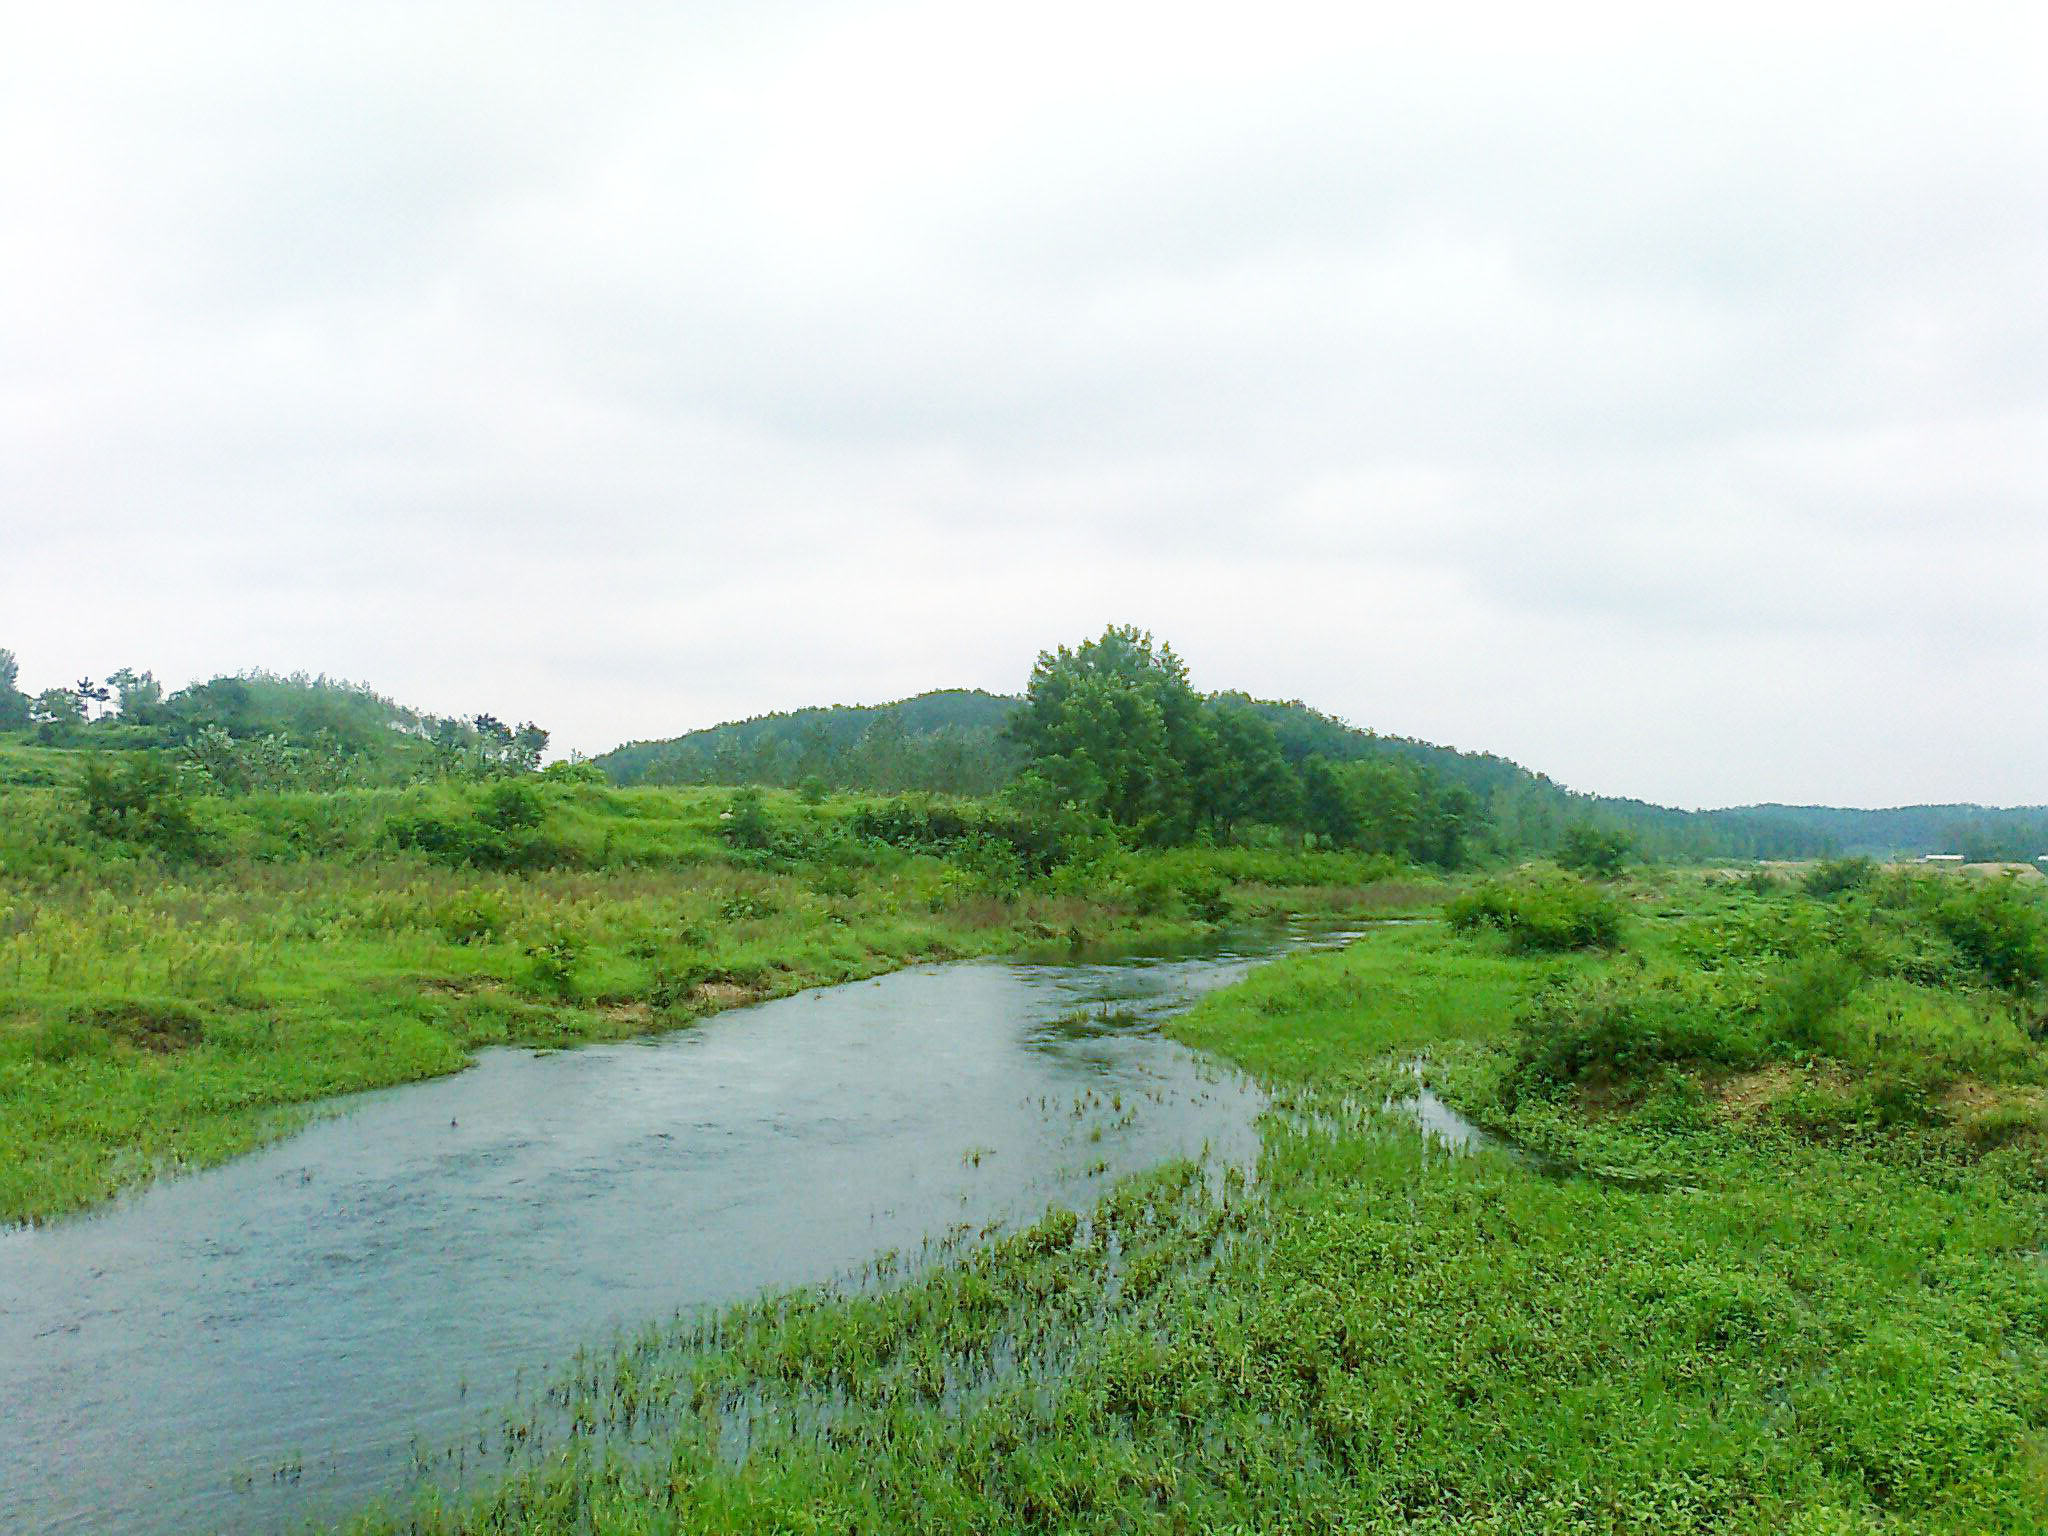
270, 1343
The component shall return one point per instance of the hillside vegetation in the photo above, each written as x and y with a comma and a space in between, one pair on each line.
962, 742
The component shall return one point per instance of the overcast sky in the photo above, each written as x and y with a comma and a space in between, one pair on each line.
1663, 404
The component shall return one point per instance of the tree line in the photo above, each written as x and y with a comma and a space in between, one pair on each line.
260, 730
1114, 728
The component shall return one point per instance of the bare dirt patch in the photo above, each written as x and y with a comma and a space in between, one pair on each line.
159, 1027
1746, 1096
713, 995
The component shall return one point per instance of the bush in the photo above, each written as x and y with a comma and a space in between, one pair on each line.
503, 832
1205, 899
1807, 993
1834, 876
551, 964
1591, 851
511, 807
141, 802
476, 919
1621, 1027
1039, 837
745, 823
1539, 915
2001, 930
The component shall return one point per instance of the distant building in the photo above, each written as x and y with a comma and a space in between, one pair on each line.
1941, 858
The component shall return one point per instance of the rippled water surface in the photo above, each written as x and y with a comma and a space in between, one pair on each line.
266, 1343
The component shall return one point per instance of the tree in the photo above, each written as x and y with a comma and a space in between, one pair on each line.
14, 704
54, 709
1326, 807
1387, 806
1115, 727
142, 696
90, 693
1594, 851
528, 743
1245, 777
1451, 816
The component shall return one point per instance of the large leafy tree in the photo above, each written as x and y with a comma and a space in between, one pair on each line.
1115, 727
1247, 776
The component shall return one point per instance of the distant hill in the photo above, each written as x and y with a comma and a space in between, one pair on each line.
292, 730
1979, 833
951, 741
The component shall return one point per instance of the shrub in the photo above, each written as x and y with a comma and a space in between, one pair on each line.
1539, 915
2001, 930
1591, 851
503, 833
745, 823
476, 919
551, 964
1621, 1027
1834, 876
1807, 992
511, 807
1205, 899
141, 802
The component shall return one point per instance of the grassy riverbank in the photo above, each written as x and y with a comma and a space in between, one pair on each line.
163, 1013
1761, 1250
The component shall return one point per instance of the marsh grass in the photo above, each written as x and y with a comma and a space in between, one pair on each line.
1372, 1334
160, 1016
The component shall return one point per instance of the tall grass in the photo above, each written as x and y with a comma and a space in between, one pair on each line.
332, 946
1373, 1335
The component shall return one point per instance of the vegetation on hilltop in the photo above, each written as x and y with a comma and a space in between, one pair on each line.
947, 742
964, 742
263, 730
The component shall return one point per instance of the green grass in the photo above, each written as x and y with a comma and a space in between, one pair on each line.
311, 958
1841, 1329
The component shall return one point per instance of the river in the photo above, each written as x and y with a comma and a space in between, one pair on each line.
271, 1342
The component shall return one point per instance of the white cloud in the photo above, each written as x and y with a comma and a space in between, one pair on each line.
1655, 400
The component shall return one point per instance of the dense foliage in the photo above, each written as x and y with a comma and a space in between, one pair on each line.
946, 742
263, 731
1113, 728
961, 742
1539, 914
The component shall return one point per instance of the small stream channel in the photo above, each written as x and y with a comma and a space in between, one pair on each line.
269, 1343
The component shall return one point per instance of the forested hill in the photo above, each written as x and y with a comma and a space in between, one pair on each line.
951, 741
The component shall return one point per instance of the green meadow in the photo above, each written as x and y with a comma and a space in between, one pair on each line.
161, 1013
1743, 1226
1755, 1242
